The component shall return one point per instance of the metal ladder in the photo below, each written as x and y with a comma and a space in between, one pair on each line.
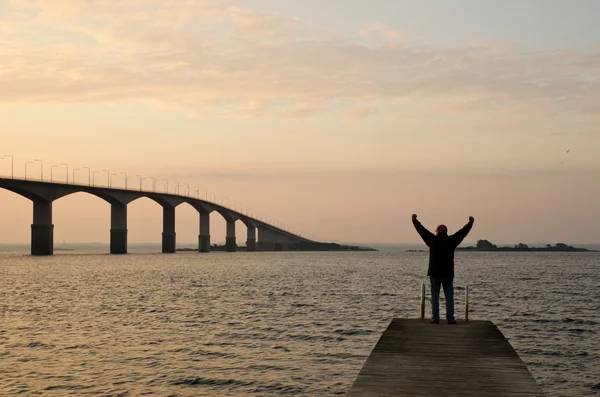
423, 299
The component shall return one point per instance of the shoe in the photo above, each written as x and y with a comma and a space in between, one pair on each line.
435, 321
451, 321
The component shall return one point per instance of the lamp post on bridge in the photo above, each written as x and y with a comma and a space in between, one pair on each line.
139, 176
166, 186
12, 165
176, 187
95, 172
41, 166
188, 189
197, 191
93, 175
110, 179
52, 168
79, 169
205, 194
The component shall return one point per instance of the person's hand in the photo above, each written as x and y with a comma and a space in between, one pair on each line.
414, 216
471, 219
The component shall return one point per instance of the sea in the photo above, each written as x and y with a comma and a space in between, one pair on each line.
272, 323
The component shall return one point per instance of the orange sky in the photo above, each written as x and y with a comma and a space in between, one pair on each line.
340, 135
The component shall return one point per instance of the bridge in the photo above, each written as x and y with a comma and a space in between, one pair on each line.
44, 193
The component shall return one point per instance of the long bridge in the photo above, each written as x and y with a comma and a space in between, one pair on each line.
44, 193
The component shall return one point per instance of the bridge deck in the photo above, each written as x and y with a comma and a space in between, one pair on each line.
415, 358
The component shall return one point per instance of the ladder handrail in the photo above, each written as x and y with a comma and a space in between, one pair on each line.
467, 302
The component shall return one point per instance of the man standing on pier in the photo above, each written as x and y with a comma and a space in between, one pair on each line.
441, 264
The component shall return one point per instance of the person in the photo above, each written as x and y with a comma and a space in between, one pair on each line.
441, 264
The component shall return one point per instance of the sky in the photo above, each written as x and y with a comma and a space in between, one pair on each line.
336, 119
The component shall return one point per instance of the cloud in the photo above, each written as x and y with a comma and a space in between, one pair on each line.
216, 56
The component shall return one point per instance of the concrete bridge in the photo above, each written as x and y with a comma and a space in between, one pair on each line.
43, 194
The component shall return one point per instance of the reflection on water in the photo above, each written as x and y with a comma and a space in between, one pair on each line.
271, 324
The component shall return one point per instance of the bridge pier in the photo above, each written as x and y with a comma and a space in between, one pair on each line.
230, 245
204, 236
168, 234
42, 229
251, 239
118, 228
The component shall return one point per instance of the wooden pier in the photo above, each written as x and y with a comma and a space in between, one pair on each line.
416, 358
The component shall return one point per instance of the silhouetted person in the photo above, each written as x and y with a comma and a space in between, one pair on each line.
441, 264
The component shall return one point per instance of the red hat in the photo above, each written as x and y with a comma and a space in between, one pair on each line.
441, 229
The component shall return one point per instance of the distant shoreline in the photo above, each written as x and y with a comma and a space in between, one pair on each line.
487, 246
514, 249
529, 249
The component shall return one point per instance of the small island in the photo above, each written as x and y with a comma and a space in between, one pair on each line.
485, 245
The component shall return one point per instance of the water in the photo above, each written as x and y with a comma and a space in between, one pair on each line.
271, 324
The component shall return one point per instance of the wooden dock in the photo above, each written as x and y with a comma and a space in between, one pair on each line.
416, 358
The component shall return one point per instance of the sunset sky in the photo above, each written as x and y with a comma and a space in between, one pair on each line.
337, 118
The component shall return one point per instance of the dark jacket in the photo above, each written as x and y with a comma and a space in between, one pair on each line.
441, 249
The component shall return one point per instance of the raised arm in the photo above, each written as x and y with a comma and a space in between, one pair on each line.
459, 236
425, 234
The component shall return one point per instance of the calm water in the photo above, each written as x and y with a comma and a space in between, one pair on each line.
271, 324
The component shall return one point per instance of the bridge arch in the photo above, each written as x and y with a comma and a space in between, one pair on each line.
66, 193
246, 232
219, 223
141, 219
81, 217
187, 225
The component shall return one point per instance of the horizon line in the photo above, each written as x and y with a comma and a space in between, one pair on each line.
328, 242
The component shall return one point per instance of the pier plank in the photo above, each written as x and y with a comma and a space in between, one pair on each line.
416, 358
